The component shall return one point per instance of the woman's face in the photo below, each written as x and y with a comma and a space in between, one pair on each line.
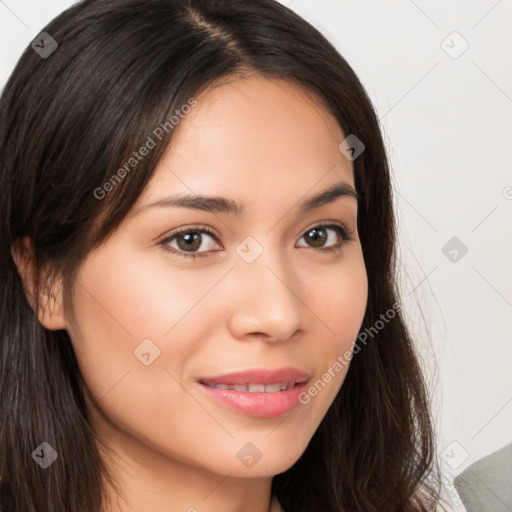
265, 291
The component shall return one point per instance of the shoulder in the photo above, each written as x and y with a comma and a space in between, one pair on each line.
485, 484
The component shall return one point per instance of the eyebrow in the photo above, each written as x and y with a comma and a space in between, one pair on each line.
216, 204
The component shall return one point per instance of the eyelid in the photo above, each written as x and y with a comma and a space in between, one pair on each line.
327, 224
191, 228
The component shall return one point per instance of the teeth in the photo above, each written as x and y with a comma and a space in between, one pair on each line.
221, 386
257, 388
272, 388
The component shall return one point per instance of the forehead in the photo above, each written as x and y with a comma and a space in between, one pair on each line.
258, 113
252, 138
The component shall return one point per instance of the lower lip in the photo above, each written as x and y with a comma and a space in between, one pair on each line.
261, 405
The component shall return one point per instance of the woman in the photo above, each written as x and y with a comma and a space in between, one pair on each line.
199, 306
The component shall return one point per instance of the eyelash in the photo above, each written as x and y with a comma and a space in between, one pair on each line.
344, 234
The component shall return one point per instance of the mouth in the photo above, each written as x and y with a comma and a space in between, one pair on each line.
255, 388
260, 393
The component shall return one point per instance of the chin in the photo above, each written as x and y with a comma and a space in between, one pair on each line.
272, 461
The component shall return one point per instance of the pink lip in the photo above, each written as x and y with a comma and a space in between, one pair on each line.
259, 376
262, 405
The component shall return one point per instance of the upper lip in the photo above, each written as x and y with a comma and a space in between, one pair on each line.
259, 376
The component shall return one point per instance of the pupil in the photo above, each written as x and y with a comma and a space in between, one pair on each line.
315, 237
192, 241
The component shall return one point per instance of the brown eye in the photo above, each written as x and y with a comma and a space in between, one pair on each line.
325, 237
190, 242
316, 236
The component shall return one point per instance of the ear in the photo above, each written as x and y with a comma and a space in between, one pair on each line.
50, 307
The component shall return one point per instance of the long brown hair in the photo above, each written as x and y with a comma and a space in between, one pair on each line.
69, 120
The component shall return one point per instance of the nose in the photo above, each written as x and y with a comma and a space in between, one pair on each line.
266, 300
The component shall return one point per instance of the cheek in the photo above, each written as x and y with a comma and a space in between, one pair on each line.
117, 303
112, 315
125, 308
340, 302
121, 301
146, 298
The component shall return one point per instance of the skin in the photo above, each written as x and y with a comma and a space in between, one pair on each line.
268, 145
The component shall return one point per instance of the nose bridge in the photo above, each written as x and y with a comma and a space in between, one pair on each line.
269, 298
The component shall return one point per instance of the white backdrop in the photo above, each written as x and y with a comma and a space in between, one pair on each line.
440, 77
